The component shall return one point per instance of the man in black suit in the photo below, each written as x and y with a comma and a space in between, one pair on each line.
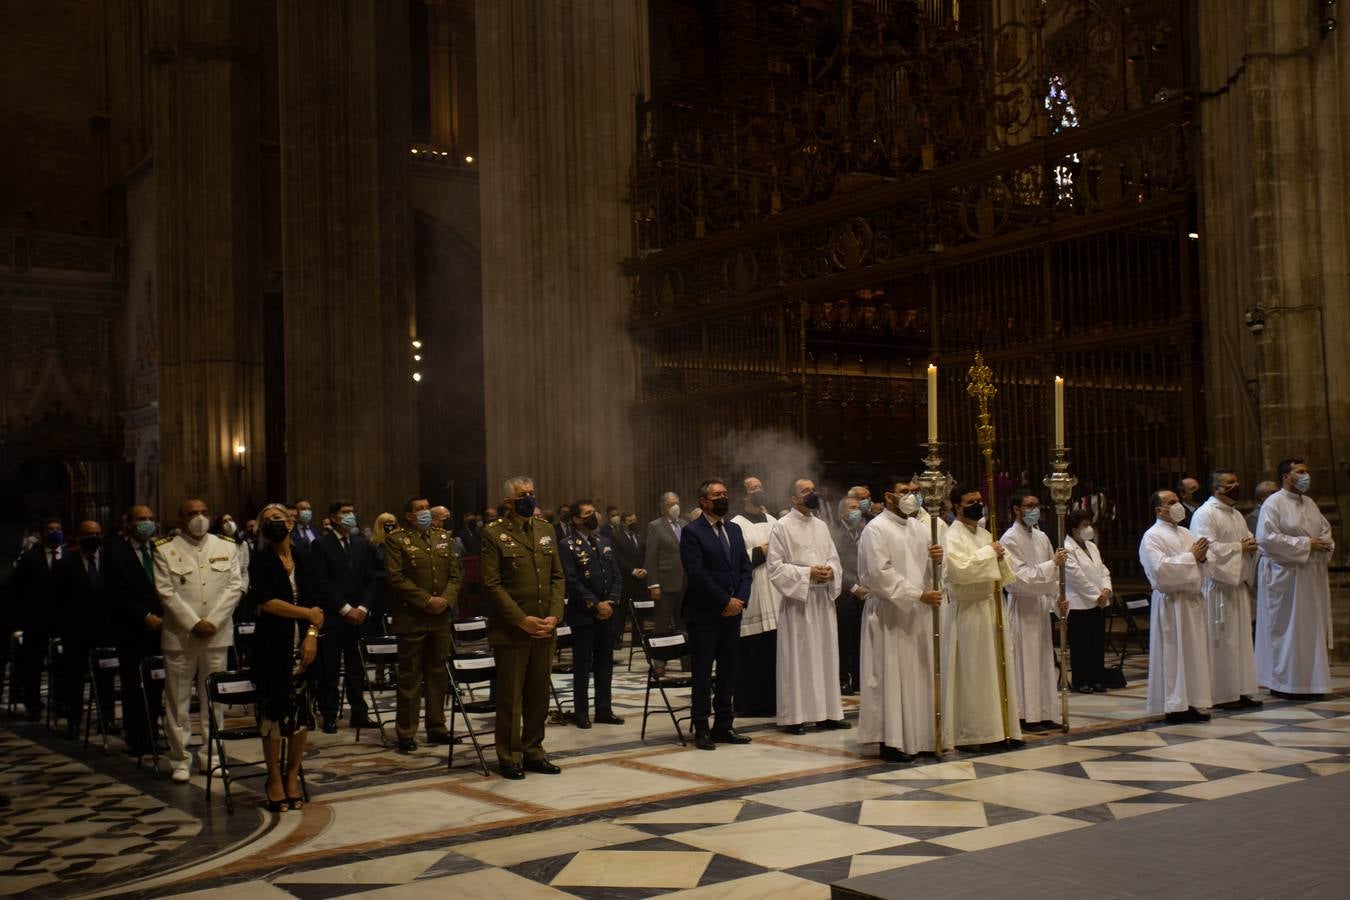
717, 586
304, 533
129, 576
348, 565
33, 593
471, 534
593, 589
630, 549
83, 619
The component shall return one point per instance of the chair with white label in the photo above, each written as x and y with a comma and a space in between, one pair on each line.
234, 689
104, 666
662, 648
152, 697
377, 651
644, 621
466, 670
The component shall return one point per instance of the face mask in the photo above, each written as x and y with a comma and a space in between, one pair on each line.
305, 516
348, 521
756, 498
1302, 483
1176, 512
198, 525
909, 504
720, 506
865, 505
229, 528
1031, 516
811, 501
91, 543
524, 506
1233, 491
591, 522
973, 512
56, 538
423, 519
1087, 534
145, 529
613, 521
855, 515
673, 513
389, 527
275, 530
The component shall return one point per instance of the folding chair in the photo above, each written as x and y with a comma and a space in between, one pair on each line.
470, 636
663, 648
644, 620
15, 683
468, 669
234, 689
152, 684
104, 665
1126, 608
377, 650
55, 650
563, 640
243, 644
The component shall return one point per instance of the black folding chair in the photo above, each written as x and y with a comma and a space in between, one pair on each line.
376, 651
15, 681
470, 636
644, 622
1126, 608
55, 650
104, 666
563, 640
243, 644
152, 698
663, 648
467, 670
234, 689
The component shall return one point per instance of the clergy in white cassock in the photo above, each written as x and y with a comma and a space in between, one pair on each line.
756, 694
1227, 589
975, 567
1032, 598
1175, 562
804, 566
896, 700
1293, 596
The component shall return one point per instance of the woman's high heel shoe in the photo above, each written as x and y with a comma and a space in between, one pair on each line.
277, 806
296, 802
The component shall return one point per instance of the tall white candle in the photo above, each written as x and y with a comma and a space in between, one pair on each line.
1059, 411
932, 403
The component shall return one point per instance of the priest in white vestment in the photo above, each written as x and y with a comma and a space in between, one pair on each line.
975, 568
1175, 562
1293, 602
1032, 598
895, 559
756, 694
804, 566
1227, 589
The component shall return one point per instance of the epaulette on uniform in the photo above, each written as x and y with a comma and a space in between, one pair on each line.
226, 537
160, 542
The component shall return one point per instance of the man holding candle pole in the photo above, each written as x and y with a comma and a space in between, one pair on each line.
1032, 598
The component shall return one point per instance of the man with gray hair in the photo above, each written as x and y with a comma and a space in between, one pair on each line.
1263, 490
863, 494
665, 572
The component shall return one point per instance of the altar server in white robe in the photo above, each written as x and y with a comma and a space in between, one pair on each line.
1293, 617
1087, 582
1227, 589
975, 568
804, 566
756, 694
1175, 562
1032, 598
895, 559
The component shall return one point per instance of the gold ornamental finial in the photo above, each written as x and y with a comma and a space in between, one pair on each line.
981, 387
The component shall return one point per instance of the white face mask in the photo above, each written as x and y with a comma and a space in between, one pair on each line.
909, 504
1087, 534
229, 528
198, 525
1176, 512
674, 512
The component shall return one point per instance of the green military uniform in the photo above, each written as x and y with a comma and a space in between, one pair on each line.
419, 565
522, 576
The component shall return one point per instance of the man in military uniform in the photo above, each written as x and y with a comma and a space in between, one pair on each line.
423, 578
523, 583
594, 589
199, 585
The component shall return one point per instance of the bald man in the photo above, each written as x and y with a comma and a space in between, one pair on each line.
129, 574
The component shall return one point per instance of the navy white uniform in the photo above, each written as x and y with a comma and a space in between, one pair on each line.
593, 577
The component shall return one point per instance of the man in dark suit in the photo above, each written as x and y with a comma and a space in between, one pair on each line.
846, 532
83, 619
611, 523
593, 590
718, 570
471, 534
348, 565
304, 533
129, 576
630, 547
33, 593
665, 572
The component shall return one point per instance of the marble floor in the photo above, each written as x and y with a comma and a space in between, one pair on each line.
786, 815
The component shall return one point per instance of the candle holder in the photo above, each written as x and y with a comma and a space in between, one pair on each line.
935, 485
1061, 485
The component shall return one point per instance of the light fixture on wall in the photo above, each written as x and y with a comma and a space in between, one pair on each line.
416, 357
469, 160
239, 453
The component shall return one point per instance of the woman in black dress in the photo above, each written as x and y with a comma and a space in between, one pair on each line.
286, 594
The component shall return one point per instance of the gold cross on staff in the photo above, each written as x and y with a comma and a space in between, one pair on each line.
981, 387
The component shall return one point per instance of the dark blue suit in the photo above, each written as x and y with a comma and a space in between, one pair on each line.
593, 578
714, 572
350, 576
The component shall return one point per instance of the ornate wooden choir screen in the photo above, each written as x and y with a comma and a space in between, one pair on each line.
846, 191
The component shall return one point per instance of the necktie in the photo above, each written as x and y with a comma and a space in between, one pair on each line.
51, 564
92, 568
347, 550
148, 560
726, 542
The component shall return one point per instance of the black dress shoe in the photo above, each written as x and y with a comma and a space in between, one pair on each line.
439, 737
406, 745
515, 773
583, 723
1178, 718
1049, 724
1249, 702
834, 725
1085, 689
1099, 689
330, 726
1196, 715
794, 729
728, 736
1033, 727
608, 719
891, 754
703, 740
541, 766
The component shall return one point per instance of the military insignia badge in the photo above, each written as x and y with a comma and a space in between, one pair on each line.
546, 542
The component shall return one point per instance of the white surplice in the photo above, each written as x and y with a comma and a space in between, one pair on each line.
761, 612
1227, 590
973, 576
808, 635
1178, 639
1085, 575
896, 700
1293, 597
1031, 600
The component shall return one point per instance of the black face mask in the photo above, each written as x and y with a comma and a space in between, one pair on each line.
524, 506
91, 544
811, 501
1232, 492
591, 522
389, 527
973, 512
756, 498
720, 506
275, 531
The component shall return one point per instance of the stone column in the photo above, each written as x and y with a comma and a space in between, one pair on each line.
441, 64
351, 427
557, 84
205, 134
